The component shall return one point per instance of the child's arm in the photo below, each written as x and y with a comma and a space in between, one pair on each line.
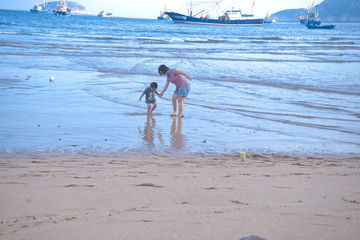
165, 88
141, 96
184, 73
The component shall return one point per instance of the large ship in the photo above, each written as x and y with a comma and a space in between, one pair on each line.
62, 9
210, 13
39, 8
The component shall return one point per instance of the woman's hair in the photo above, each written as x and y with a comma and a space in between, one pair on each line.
163, 69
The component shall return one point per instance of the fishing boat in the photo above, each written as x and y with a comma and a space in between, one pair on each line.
104, 13
163, 16
214, 15
268, 20
62, 9
303, 19
39, 8
320, 26
313, 21
313, 16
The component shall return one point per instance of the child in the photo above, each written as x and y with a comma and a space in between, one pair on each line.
182, 87
150, 97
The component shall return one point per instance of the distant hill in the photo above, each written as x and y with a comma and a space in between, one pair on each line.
75, 8
289, 15
339, 10
329, 11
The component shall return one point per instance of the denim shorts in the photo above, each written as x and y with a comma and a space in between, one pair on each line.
184, 92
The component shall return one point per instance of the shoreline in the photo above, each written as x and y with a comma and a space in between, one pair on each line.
143, 153
168, 196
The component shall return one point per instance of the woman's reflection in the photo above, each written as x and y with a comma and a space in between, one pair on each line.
177, 139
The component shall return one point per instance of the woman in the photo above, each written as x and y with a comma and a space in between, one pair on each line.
182, 87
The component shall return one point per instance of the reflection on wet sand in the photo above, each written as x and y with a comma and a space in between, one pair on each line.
149, 133
177, 139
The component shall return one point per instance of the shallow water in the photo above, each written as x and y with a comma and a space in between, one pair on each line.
276, 88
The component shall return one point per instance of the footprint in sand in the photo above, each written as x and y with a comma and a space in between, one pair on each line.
75, 185
148, 185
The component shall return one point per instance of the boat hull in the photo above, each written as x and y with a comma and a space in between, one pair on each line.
320, 27
38, 11
61, 13
269, 21
313, 22
163, 19
180, 18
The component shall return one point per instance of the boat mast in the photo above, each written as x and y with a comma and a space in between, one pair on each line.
191, 8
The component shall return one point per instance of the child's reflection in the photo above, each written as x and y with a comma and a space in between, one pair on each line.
149, 135
177, 139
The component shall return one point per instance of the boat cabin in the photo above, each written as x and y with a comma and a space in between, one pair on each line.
237, 15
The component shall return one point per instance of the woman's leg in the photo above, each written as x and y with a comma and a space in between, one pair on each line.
175, 103
181, 105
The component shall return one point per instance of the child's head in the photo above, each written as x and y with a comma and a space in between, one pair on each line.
153, 86
163, 69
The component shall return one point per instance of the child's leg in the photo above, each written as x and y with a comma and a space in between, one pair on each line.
153, 108
175, 103
149, 108
181, 105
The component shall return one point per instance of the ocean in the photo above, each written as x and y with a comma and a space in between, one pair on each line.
276, 89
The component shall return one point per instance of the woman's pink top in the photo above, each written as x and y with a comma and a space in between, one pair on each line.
178, 79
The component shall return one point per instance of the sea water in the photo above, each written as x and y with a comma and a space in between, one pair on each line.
279, 88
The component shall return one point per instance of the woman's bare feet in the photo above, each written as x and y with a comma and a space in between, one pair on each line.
173, 114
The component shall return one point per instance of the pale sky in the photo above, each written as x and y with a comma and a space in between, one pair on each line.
151, 8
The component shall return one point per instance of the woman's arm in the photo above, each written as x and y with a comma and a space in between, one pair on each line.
184, 73
165, 88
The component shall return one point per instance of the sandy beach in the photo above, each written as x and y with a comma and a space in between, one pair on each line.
164, 196
80, 158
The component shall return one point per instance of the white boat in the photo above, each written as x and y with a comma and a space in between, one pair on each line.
104, 13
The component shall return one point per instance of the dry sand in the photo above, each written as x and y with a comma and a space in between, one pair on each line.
49, 196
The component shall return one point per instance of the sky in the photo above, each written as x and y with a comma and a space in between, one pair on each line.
150, 9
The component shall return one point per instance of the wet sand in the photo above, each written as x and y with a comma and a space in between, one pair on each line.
79, 113
164, 196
